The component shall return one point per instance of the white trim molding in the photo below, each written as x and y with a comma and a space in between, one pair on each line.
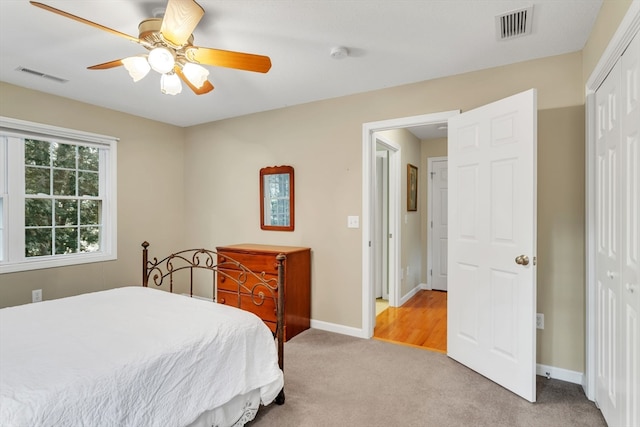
338, 329
560, 374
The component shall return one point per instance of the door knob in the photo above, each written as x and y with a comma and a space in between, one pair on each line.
522, 260
630, 287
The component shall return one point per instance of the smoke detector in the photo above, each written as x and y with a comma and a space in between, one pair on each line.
339, 52
516, 23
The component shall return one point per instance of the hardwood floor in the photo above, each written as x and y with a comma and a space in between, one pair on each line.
420, 322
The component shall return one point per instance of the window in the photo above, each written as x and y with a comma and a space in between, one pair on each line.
57, 196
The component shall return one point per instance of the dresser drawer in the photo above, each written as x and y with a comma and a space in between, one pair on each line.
248, 283
258, 263
266, 310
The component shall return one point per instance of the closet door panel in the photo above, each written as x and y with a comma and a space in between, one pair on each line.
630, 233
608, 378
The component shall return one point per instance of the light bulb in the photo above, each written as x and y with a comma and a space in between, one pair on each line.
161, 60
170, 84
137, 66
195, 73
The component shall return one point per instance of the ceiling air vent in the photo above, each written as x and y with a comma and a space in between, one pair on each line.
43, 75
514, 24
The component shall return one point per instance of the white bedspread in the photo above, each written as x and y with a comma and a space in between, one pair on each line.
129, 357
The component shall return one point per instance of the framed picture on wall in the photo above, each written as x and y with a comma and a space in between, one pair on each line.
412, 188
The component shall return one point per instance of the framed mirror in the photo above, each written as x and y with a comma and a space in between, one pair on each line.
276, 198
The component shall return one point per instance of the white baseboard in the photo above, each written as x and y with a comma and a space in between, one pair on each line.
408, 296
425, 286
338, 329
560, 374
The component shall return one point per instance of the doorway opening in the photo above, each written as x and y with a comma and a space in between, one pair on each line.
370, 237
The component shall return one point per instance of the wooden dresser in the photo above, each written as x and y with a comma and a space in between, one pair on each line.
297, 283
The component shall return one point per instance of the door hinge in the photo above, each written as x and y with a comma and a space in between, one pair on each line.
430, 272
431, 224
432, 174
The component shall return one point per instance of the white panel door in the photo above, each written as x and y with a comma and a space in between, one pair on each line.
492, 237
630, 233
608, 246
439, 226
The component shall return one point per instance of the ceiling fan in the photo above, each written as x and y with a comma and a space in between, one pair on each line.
169, 41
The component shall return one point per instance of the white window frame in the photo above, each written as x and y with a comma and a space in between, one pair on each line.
12, 256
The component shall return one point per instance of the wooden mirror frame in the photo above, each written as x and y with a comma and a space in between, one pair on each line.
276, 170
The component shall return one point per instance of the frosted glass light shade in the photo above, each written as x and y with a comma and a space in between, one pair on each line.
161, 60
170, 84
137, 66
195, 73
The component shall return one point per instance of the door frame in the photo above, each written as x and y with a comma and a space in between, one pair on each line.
368, 206
430, 245
387, 268
629, 26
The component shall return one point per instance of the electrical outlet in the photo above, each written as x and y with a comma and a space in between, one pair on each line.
540, 321
36, 295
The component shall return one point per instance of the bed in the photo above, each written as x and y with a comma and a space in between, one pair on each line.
151, 355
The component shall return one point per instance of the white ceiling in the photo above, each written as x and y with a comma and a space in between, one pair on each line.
391, 42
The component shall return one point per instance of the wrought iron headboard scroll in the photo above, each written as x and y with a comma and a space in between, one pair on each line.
255, 284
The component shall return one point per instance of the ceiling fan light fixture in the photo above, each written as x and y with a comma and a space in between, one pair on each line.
195, 73
137, 66
170, 84
161, 60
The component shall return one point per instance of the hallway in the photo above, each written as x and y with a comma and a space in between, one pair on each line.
420, 322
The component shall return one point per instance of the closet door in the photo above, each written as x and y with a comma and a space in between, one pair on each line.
608, 375
618, 242
630, 234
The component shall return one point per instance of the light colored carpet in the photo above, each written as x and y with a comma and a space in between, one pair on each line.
337, 380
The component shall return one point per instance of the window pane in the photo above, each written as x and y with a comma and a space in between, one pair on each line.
90, 212
37, 152
66, 240
37, 180
88, 184
89, 239
37, 241
88, 158
66, 212
64, 182
37, 213
64, 156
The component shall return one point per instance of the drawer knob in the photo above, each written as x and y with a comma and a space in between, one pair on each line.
222, 301
222, 279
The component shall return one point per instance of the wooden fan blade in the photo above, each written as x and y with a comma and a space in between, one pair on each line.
229, 59
180, 19
205, 88
84, 21
106, 65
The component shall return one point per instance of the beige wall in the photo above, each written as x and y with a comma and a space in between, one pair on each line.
609, 18
323, 141
150, 183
